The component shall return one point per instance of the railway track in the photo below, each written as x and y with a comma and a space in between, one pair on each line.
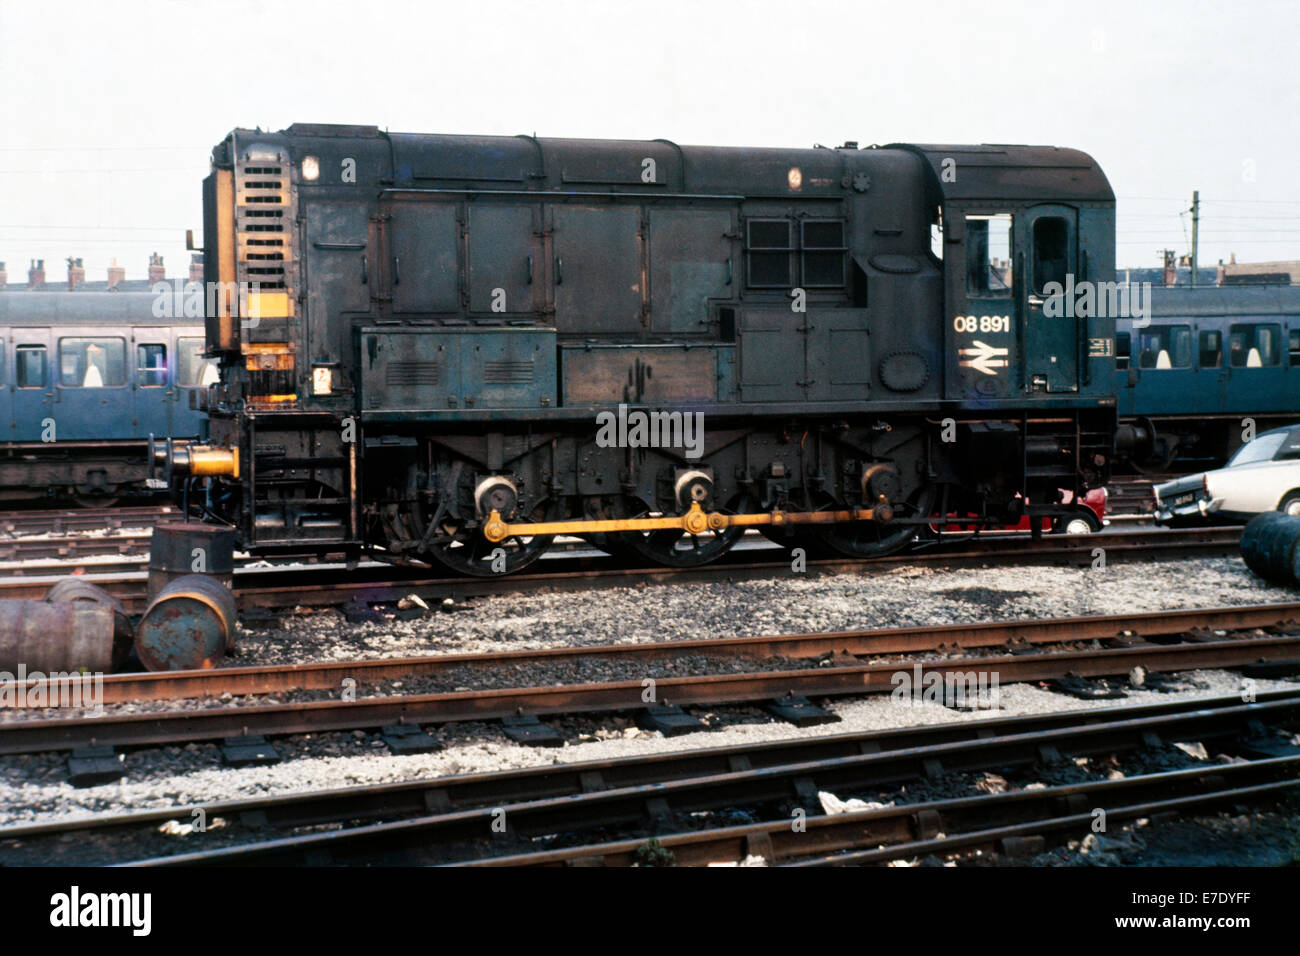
444, 816
1146, 626
38, 521
1021, 822
323, 586
846, 677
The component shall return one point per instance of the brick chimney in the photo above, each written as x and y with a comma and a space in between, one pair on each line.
156, 271
4, 277
116, 275
76, 273
36, 275
196, 267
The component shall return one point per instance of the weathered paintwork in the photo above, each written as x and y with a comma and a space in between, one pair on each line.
440, 315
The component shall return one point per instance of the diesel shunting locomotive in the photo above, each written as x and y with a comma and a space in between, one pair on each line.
420, 337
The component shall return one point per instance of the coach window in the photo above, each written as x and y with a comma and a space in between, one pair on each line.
1122, 347
1255, 345
988, 255
1211, 349
1051, 252
192, 369
151, 365
30, 360
92, 363
1293, 347
1165, 346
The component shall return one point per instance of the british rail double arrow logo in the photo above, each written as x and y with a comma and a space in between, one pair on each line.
984, 358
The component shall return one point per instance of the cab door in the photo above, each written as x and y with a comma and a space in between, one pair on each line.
31, 390
1049, 285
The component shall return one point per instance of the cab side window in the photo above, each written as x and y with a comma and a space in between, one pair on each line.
1051, 252
988, 255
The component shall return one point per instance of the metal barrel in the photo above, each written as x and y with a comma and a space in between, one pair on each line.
46, 637
189, 625
178, 549
79, 593
74, 590
1270, 546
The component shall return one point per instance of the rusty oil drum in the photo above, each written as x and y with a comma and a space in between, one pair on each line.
1270, 546
47, 637
178, 549
77, 592
189, 625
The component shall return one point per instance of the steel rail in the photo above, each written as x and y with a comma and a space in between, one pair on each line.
912, 829
241, 681
896, 754
176, 726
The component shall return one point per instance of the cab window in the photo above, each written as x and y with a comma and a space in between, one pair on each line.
1051, 252
30, 362
1293, 347
988, 255
1255, 345
92, 363
151, 365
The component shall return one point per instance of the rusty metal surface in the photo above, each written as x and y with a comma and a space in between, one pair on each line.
189, 625
905, 640
135, 730
64, 638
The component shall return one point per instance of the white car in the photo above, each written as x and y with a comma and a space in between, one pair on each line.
1264, 475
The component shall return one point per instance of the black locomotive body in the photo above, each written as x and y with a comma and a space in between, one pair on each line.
431, 344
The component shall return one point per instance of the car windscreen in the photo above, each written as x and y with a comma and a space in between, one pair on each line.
1261, 449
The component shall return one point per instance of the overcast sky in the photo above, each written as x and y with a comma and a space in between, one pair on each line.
109, 110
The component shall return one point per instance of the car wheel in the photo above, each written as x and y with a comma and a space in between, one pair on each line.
1290, 504
1078, 526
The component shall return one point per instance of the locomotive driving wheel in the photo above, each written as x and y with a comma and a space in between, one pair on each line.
867, 539
677, 548
443, 528
461, 547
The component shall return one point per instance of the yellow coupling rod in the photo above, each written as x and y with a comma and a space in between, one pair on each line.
695, 521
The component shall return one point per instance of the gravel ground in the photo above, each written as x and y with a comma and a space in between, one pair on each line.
34, 787
895, 598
